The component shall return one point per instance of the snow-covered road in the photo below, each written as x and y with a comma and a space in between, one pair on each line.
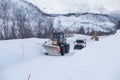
98, 61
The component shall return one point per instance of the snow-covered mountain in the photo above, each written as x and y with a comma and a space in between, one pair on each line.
88, 22
30, 11
23, 19
74, 20
76, 6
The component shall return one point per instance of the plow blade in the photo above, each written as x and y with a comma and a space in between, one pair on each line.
52, 49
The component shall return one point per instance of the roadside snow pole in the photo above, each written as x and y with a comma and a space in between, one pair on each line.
22, 51
29, 76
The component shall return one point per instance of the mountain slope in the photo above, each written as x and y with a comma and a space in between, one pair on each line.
30, 11
88, 22
103, 24
21, 19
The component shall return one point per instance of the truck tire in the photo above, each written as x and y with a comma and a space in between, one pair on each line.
96, 39
67, 47
62, 50
46, 53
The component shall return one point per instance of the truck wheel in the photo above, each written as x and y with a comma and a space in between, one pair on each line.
46, 53
67, 46
96, 39
62, 50
62, 54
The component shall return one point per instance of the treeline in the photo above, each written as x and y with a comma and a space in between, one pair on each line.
118, 25
22, 22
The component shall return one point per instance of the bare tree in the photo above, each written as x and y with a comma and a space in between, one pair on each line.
13, 30
59, 25
38, 29
5, 6
28, 33
44, 28
118, 25
1, 35
20, 19
81, 30
48, 28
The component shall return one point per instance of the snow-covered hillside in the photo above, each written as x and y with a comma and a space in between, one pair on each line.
15, 7
98, 61
89, 23
76, 6
103, 24
24, 19
19, 15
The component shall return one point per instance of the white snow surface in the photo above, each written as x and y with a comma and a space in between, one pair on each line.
97, 61
76, 6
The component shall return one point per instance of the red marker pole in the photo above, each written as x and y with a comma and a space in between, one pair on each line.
22, 51
29, 77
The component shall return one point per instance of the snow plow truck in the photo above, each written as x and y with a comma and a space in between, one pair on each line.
56, 45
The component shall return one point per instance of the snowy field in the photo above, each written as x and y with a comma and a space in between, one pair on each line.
20, 59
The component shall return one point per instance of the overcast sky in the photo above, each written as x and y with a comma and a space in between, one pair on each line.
66, 6
109, 4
